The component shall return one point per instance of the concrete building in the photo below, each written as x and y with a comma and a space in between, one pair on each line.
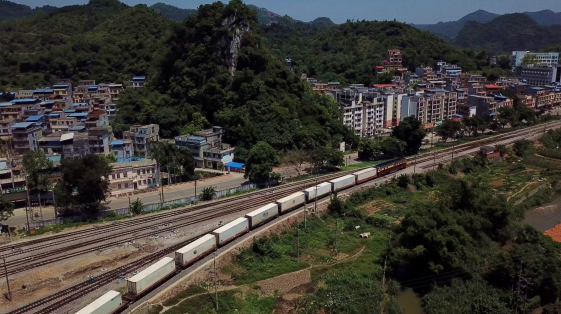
431, 106
99, 139
207, 148
26, 136
540, 76
142, 137
548, 59
138, 81
122, 149
127, 177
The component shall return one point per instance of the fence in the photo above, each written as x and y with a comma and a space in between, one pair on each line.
146, 208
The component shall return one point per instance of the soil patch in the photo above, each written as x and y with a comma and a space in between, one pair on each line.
376, 206
554, 233
499, 182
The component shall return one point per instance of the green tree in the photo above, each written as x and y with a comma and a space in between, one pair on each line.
531, 60
523, 148
137, 207
260, 162
297, 159
198, 123
448, 129
207, 193
409, 131
370, 148
37, 168
6, 209
327, 157
391, 147
85, 182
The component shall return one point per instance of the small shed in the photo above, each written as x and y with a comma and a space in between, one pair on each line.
490, 153
235, 167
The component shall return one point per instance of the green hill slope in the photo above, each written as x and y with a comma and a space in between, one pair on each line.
11, 11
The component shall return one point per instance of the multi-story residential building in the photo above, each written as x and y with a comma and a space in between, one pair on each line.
26, 136
115, 90
97, 118
24, 94
142, 137
110, 108
99, 139
539, 76
365, 110
394, 58
58, 124
12, 181
448, 69
207, 144
548, 59
430, 107
138, 81
43, 94
127, 177
122, 149
6, 128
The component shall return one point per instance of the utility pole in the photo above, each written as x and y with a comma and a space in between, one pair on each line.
316, 200
130, 209
215, 283
195, 190
7, 281
453, 146
336, 230
298, 248
383, 287
518, 288
434, 160
415, 165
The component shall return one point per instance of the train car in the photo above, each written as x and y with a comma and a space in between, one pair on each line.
365, 175
151, 276
195, 250
290, 202
231, 230
342, 182
262, 215
106, 304
322, 190
391, 166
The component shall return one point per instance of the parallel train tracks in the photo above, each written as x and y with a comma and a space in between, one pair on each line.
65, 296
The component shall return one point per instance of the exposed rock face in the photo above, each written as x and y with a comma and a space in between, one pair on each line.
237, 29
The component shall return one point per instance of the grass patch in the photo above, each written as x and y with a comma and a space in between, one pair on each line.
238, 193
228, 302
155, 309
363, 164
192, 290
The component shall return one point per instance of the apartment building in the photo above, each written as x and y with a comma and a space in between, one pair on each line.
207, 144
364, 110
25, 137
97, 118
431, 106
540, 76
127, 177
99, 139
548, 59
142, 137
122, 149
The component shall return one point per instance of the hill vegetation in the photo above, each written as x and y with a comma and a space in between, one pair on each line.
507, 33
174, 13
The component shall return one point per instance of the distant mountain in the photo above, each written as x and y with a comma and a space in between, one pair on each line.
507, 33
449, 30
11, 11
545, 17
172, 12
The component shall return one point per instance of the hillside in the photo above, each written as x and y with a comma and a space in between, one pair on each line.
349, 53
172, 12
449, 30
103, 40
11, 11
507, 33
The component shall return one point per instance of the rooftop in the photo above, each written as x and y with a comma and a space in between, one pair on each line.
134, 163
22, 125
34, 119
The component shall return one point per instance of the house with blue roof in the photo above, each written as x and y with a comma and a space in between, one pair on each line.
207, 148
122, 149
26, 136
138, 81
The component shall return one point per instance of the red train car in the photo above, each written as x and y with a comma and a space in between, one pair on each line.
391, 166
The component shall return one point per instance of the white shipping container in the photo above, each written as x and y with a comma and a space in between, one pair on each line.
151, 275
322, 190
195, 250
231, 230
342, 182
106, 304
365, 175
292, 201
262, 214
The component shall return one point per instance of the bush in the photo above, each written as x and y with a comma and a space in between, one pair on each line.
403, 181
136, 207
111, 214
523, 148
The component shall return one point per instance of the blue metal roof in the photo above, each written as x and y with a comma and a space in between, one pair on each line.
117, 143
25, 100
42, 91
60, 86
79, 104
130, 159
78, 115
54, 115
235, 165
139, 78
69, 110
77, 128
92, 87
22, 125
34, 119
55, 158
49, 102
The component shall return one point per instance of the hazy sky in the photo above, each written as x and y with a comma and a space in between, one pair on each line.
410, 11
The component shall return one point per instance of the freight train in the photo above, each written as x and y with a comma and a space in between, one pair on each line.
155, 274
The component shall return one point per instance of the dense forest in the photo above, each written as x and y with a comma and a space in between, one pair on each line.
11, 11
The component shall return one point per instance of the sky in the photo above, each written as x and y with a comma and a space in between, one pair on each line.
409, 11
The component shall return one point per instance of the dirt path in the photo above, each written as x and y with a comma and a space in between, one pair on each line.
521, 190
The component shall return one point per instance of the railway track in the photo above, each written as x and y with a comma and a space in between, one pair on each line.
53, 302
